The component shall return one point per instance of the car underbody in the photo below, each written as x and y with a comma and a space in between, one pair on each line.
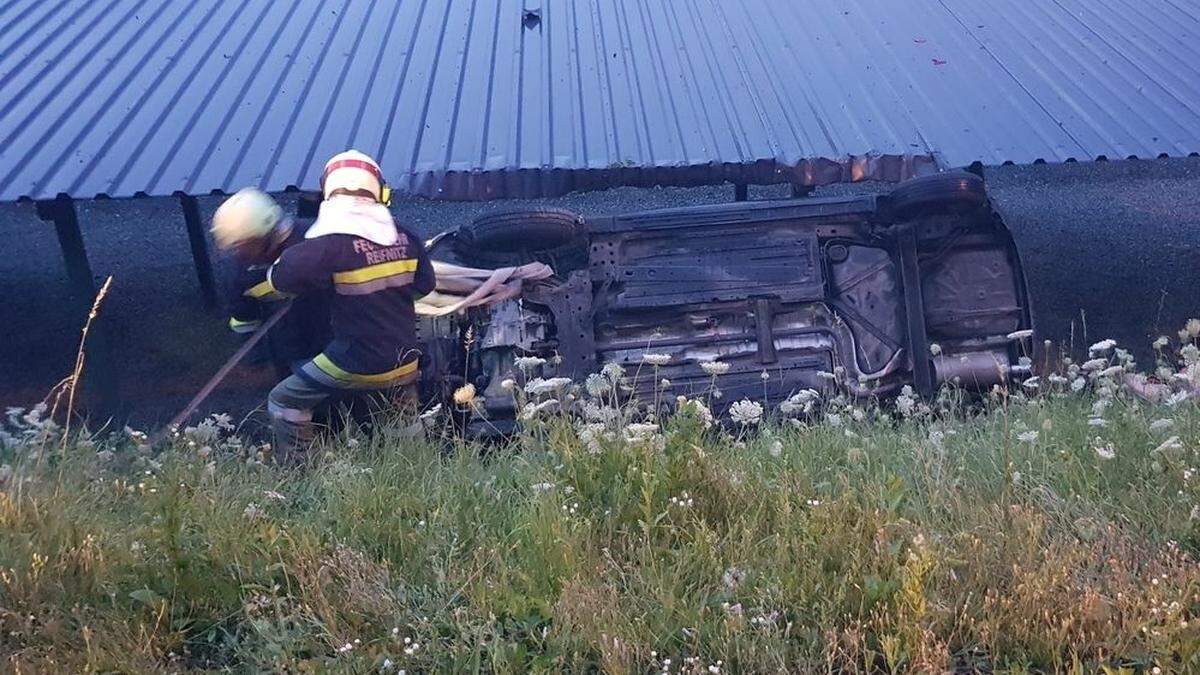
863, 295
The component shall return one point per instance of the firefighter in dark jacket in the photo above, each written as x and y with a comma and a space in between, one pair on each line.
251, 227
374, 272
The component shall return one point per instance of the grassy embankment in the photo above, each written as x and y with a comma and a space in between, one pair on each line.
1056, 529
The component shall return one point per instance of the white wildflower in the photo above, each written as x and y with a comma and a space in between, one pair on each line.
1097, 422
465, 395
271, 494
776, 448
613, 371
697, 409
253, 512
432, 412
1105, 450
683, 501
935, 349
1192, 328
636, 431
538, 386
222, 421
1161, 424
1176, 398
594, 412
664, 383
1028, 437
732, 578
103, 456
1161, 342
656, 359
802, 401
592, 433
1112, 371
532, 410
826, 375
906, 402
746, 412
596, 384
1102, 346
1078, 384
528, 363
133, 434
542, 487
714, 368
1032, 383
1094, 364
833, 420
1020, 334
1190, 354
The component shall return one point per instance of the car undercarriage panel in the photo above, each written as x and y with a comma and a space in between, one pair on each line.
824, 294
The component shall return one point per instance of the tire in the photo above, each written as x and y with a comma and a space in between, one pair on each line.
554, 236
938, 194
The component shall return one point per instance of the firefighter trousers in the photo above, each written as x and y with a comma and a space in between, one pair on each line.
292, 402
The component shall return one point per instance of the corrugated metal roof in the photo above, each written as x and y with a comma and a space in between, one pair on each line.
491, 98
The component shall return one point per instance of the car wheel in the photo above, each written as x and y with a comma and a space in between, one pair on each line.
938, 194
554, 236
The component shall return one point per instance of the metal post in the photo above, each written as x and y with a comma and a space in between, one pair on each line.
101, 379
199, 245
914, 311
739, 192
61, 212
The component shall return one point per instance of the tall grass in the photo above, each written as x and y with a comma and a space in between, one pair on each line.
1007, 535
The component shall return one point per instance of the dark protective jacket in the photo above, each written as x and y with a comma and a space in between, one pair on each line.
372, 290
301, 333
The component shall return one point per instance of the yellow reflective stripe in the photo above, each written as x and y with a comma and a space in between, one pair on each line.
331, 369
239, 326
260, 290
373, 272
266, 291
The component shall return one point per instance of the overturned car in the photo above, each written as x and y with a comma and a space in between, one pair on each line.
864, 294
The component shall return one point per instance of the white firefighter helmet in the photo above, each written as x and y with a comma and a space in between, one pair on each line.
249, 214
353, 171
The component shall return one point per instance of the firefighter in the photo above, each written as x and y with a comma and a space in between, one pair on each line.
374, 272
251, 227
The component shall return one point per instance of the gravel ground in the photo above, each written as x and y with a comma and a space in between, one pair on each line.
1110, 250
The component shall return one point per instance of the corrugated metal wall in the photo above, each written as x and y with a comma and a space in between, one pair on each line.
495, 98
